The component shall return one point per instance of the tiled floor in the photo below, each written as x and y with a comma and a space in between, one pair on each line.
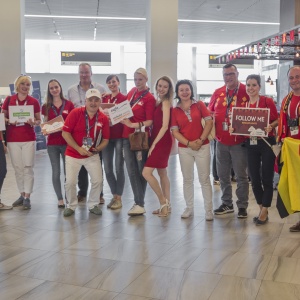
46, 256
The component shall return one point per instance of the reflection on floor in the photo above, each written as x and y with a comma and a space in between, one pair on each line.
46, 256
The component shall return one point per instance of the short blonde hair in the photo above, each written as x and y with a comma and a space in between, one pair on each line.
22, 78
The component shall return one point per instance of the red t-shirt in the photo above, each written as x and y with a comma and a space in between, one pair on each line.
24, 133
56, 137
142, 111
190, 127
76, 125
265, 102
218, 105
116, 130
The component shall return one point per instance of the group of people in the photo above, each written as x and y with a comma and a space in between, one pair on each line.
88, 138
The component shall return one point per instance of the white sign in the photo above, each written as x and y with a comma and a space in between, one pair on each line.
54, 125
120, 112
20, 114
2, 122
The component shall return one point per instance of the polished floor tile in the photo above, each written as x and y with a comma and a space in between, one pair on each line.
44, 255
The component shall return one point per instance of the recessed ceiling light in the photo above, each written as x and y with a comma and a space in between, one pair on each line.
218, 7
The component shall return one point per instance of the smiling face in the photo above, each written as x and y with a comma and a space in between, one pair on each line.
140, 81
252, 88
92, 105
23, 84
54, 88
162, 88
184, 92
294, 80
231, 77
85, 74
113, 85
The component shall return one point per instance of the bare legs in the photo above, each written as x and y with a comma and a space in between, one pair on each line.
161, 190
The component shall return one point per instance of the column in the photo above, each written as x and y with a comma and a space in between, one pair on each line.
12, 50
161, 39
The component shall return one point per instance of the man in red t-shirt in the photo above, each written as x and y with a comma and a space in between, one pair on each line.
86, 130
229, 150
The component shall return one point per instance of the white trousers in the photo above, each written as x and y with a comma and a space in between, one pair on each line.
187, 159
93, 167
22, 158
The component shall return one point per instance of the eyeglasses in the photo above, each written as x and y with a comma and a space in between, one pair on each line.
229, 74
24, 75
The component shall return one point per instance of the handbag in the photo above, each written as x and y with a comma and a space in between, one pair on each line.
211, 136
139, 140
275, 148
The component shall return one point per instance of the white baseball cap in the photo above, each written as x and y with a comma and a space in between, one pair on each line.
92, 93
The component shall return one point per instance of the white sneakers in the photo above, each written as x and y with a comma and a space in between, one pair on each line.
188, 212
136, 210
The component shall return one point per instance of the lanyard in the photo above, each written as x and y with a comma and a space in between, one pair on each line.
230, 99
79, 94
257, 102
61, 109
87, 127
296, 110
113, 98
134, 102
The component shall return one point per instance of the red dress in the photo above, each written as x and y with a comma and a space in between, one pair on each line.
160, 155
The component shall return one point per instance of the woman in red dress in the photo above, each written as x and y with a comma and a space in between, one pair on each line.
161, 143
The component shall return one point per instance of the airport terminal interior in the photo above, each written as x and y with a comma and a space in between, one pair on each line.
44, 255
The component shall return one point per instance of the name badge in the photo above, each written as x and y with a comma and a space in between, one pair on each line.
225, 126
294, 130
253, 140
87, 143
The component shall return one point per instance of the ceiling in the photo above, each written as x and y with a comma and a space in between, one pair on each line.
135, 30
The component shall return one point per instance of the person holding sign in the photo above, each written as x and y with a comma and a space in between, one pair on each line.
161, 143
3, 169
260, 156
56, 105
230, 152
20, 136
193, 146
142, 104
115, 147
86, 131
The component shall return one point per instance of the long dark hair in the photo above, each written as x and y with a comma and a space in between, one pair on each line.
49, 97
184, 81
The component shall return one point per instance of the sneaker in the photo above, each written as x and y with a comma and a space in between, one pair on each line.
101, 200
111, 202
18, 202
209, 216
26, 203
5, 207
224, 209
68, 212
136, 210
188, 212
117, 204
242, 213
96, 210
295, 228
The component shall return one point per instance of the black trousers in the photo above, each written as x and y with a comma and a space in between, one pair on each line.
3, 169
261, 161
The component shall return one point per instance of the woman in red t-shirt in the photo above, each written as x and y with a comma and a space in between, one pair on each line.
21, 138
193, 146
56, 105
142, 104
260, 156
161, 143
114, 148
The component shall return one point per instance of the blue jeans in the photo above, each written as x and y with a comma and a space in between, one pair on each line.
235, 156
55, 152
3, 169
115, 182
135, 166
